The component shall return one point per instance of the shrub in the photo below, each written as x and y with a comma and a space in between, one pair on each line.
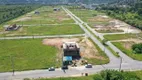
116, 75
137, 48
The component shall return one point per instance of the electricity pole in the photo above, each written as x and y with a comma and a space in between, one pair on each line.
12, 64
120, 63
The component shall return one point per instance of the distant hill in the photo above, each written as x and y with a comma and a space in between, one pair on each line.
130, 2
54, 1
28, 1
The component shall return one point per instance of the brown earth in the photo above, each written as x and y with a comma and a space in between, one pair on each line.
87, 48
127, 43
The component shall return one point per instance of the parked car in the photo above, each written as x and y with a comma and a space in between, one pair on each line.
88, 66
51, 69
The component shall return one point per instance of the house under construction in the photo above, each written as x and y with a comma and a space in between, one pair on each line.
12, 27
71, 49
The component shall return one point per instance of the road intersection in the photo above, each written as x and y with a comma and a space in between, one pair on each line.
128, 63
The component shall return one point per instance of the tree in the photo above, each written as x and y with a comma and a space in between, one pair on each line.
137, 48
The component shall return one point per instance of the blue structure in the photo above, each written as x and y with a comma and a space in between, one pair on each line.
67, 58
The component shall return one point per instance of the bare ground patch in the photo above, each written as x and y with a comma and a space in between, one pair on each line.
87, 48
99, 19
112, 24
127, 43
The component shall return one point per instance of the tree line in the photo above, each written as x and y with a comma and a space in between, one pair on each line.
8, 12
131, 14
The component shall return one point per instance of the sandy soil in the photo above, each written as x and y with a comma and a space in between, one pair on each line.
57, 42
127, 43
114, 24
126, 40
98, 19
87, 49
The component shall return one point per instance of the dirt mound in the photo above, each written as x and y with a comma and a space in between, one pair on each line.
57, 42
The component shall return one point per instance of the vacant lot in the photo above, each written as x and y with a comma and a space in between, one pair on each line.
125, 41
125, 46
101, 22
42, 21
26, 54
29, 54
43, 15
123, 36
89, 51
45, 30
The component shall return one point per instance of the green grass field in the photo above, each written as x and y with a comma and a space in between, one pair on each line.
109, 31
122, 36
48, 22
45, 30
128, 52
27, 54
92, 17
46, 16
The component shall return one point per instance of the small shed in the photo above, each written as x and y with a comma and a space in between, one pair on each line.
37, 12
56, 9
12, 27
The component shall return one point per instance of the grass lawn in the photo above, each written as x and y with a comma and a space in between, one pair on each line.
109, 31
46, 16
27, 54
92, 17
127, 51
45, 30
96, 61
121, 36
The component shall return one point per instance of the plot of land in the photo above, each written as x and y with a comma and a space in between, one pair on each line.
89, 51
125, 41
29, 54
46, 15
26, 54
46, 22
125, 46
45, 30
123, 36
102, 23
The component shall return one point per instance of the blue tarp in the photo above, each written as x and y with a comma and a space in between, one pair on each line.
67, 58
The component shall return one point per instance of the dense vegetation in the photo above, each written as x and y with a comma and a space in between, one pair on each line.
8, 12
130, 13
105, 75
137, 48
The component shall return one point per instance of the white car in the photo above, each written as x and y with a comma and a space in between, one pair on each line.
88, 66
51, 69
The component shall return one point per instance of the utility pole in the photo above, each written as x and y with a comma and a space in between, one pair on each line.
120, 63
12, 64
